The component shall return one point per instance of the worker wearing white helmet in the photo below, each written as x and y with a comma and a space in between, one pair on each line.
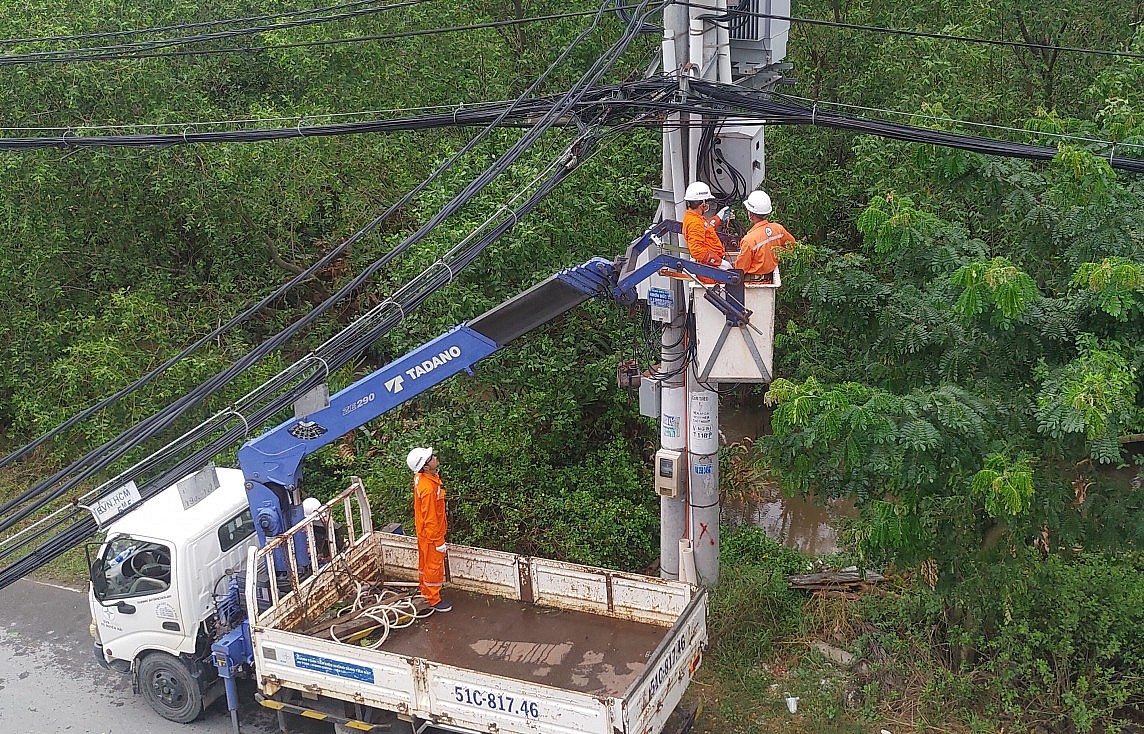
757, 253
699, 231
431, 525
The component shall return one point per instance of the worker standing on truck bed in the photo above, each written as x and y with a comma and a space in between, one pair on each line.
430, 523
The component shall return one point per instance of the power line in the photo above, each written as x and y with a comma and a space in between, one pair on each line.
184, 26
26, 59
297, 120
624, 99
968, 123
130, 49
785, 113
732, 15
50, 547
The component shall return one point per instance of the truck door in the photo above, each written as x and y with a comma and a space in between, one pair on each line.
133, 601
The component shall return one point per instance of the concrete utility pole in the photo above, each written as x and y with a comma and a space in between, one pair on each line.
695, 46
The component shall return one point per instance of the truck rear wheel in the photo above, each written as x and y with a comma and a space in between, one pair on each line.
169, 688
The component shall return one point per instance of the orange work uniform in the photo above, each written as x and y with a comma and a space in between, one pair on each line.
430, 523
702, 240
757, 256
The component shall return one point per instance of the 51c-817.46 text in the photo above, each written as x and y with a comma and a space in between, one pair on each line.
497, 701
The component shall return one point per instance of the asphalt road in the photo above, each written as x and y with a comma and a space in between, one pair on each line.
50, 682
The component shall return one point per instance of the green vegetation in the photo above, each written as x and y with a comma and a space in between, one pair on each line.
1044, 644
960, 346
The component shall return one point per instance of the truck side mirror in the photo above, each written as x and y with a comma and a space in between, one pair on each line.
98, 580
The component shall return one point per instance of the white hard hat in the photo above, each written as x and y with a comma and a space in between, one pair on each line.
418, 456
310, 505
697, 191
758, 203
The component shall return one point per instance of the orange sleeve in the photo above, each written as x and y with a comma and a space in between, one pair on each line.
702, 241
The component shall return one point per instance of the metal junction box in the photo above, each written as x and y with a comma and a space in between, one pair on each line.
650, 395
741, 147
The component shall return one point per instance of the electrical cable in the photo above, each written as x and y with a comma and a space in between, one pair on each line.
784, 116
615, 96
73, 57
127, 50
499, 166
773, 110
82, 528
502, 114
737, 14
183, 26
210, 451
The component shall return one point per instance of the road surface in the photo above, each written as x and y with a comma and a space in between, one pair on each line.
50, 682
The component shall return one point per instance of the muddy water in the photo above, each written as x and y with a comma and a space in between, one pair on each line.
796, 522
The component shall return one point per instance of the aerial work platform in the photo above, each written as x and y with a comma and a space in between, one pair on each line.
728, 353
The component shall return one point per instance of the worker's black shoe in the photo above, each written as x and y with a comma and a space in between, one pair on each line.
442, 606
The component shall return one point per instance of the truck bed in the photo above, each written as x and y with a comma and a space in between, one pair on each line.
553, 647
532, 646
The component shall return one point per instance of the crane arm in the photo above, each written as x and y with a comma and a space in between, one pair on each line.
272, 462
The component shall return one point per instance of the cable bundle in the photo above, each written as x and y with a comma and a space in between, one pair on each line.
389, 609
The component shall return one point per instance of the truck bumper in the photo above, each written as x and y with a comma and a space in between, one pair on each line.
119, 666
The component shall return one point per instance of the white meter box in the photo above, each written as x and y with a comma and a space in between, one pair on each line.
668, 472
736, 354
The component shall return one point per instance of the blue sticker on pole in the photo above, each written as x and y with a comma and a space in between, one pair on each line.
702, 468
659, 297
333, 667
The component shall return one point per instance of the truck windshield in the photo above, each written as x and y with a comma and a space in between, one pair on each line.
131, 567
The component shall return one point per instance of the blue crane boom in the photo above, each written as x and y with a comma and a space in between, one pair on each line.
272, 462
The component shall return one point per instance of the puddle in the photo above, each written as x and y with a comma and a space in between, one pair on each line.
795, 522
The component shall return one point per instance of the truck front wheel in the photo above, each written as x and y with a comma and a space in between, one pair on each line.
169, 688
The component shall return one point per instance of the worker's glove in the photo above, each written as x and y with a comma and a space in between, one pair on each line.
443, 548
725, 214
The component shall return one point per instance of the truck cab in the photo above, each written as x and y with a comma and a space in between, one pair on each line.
155, 581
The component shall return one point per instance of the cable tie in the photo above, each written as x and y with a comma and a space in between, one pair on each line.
457, 109
325, 364
1112, 153
813, 113
185, 141
241, 417
512, 213
298, 127
449, 268
400, 310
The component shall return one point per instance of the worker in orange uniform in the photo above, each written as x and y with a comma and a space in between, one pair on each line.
430, 523
698, 231
757, 256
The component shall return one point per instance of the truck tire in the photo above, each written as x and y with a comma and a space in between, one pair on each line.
169, 688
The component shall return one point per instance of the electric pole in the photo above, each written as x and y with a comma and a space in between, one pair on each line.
703, 41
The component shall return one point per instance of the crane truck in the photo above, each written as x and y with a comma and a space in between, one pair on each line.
228, 574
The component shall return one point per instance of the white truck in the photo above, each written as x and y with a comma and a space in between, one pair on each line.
225, 574
531, 646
